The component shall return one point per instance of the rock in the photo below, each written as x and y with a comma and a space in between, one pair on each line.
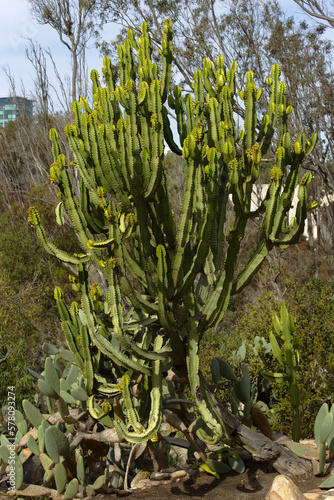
178, 473
192, 473
153, 483
170, 470
143, 474
283, 488
139, 485
315, 495
159, 476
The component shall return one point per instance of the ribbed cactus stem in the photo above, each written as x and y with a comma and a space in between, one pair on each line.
168, 277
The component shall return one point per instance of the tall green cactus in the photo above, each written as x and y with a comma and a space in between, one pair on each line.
167, 280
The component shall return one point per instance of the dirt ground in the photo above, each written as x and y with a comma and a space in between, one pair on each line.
253, 484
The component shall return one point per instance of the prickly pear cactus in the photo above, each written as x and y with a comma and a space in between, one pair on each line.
164, 281
52, 439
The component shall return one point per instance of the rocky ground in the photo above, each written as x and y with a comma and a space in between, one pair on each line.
258, 482
253, 484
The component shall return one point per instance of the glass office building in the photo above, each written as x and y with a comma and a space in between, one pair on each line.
12, 107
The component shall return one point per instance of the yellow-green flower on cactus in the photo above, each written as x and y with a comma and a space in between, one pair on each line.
276, 173
106, 407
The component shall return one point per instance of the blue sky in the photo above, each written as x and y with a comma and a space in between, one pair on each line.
16, 25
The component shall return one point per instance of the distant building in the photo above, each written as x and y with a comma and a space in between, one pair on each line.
12, 107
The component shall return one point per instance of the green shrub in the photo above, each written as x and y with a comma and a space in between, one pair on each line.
311, 304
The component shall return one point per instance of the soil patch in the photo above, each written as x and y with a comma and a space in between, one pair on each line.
253, 484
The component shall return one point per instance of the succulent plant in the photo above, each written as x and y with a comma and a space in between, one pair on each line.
288, 358
59, 440
324, 433
164, 281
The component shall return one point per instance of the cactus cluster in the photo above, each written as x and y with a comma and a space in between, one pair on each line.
164, 281
54, 437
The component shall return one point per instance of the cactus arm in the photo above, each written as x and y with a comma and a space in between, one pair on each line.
134, 267
168, 133
157, 150
214, 428
107, 389
205, 237
136, 299
71, 203
179, 110
279, 204
56, 148
218, 300
99, 335
50, 247
108, 75
117, 316
95, 149
155, 415
250, 113
217, 246
253, 265
165, 215
131, 412
189, 113
81, 157
134, 166
156, 226
88, 371
297, 227
70, 335
94, 225
165, 317
167, 57
274, 190
198, 86
123, 154
267, 130
108, 170
214, 120
208, 72
185, 223
61, 305
206, 279
99, 339
111, 175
